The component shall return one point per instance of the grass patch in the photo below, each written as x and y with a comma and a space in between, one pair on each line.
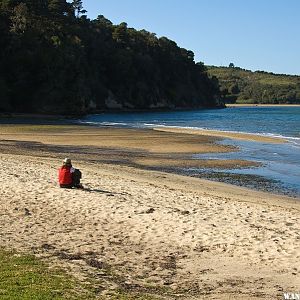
26, 277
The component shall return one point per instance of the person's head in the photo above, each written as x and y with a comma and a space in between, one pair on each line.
67, 162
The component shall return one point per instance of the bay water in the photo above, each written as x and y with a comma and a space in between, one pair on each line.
280, 162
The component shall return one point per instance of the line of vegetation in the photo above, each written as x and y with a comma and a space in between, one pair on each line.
246, 87
55, 60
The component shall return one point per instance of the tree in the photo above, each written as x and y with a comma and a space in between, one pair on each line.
54, 60
234, 89
8, 4
4, 103
190, 55
231, 65
37, 6
19, 19
58, 7
120, 33
102, 20
78, 8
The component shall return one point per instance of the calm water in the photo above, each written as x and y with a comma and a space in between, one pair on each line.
280, 162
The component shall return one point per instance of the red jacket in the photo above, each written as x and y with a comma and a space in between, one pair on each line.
65, 175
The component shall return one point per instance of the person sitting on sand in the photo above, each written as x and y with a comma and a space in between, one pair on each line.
68, 176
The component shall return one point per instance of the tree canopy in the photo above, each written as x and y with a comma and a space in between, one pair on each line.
53, 59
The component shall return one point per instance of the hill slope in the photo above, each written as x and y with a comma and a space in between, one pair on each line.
53, 59
244, 86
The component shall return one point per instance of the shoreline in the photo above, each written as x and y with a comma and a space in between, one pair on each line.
36, 116
169, 150
10, 115
224, 134
194, 184
260, 105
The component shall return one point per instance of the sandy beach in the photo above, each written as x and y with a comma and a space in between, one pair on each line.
167, 235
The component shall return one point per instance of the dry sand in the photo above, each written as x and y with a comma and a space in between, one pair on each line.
160, 233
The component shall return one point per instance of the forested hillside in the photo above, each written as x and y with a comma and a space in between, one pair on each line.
243, 86
53, 59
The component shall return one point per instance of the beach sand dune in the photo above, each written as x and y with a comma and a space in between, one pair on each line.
178, 236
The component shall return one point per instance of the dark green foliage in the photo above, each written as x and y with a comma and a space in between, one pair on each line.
78, 7
58, 7
243, 86
53, 59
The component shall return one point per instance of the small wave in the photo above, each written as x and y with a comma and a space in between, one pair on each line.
104, 123
280, 136
187, 127
233, 131
293, 140
152, 125
87, 122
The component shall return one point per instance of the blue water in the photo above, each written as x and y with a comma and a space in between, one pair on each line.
281, 162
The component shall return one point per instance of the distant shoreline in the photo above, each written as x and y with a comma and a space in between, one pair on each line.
54, 117
60, 117
263, 105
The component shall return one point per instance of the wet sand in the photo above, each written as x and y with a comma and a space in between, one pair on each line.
131, 146
223, 134
164, 234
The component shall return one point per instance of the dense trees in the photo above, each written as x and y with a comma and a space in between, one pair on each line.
243, 86
53, 59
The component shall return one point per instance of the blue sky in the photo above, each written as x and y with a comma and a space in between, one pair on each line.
253, 34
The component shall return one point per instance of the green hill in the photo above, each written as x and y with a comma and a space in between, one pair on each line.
243, 86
